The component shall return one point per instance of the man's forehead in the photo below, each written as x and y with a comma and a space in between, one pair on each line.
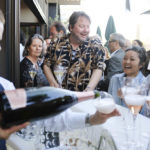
83, 17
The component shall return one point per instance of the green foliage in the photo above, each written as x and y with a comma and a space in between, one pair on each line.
110, 28
98, 32
51, 20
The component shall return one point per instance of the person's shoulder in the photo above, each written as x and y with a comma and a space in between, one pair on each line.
121, 51
24, 61
3, 80
58, 39
6, 84
95, 39
118, 55
148, 78
119, 75
95, 43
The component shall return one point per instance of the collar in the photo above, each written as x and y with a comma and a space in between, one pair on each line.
140, 77
113, 53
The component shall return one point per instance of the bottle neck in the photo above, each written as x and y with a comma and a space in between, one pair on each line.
82, 96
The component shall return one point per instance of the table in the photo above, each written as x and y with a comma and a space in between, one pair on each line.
113, 131
112, 135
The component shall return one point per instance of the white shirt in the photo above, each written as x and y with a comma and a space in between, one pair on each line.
7, 85
21, 52
67, 120
113, 53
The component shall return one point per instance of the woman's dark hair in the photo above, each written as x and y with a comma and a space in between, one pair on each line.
29, 42
74, 17
139, 42
141, 53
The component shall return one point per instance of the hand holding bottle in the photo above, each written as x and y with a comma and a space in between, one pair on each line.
20, 105
5, 133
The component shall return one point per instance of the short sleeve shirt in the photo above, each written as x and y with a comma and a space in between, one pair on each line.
79, 63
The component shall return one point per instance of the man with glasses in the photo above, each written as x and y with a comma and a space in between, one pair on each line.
116, 44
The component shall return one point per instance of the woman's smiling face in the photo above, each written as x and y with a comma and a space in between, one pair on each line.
131, 63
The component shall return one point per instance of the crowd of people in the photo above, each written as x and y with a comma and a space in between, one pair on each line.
32, 57
84, 59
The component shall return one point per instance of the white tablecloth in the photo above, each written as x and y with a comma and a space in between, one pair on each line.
113, 133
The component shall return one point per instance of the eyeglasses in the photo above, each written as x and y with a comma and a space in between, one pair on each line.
110, 41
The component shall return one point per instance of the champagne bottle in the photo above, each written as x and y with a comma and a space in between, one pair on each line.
21, 105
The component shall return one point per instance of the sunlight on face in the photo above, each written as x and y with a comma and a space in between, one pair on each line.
81, 29
131, 63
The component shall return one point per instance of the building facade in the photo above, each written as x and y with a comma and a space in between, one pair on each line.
30, 16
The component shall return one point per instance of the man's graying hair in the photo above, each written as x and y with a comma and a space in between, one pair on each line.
74, 17
2, 19
118, 37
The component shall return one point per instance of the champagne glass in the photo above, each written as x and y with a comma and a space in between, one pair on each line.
33, 72
147, 111
60, 73
105, 104
134, 99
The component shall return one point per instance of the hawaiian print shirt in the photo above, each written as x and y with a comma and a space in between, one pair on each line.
79, 63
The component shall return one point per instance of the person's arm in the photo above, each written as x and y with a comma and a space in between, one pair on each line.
69, 120
97, 63
95, 78
50, 77
5, 133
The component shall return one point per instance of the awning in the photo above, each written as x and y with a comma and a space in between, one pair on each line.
65, 2
146, 12
39, 9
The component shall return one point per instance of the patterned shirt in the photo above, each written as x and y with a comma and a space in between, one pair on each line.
78, 63
29, 76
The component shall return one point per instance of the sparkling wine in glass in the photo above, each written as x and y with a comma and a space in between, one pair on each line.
33, 73
105, 104
134, 99
60, 73
147, 111
134, 103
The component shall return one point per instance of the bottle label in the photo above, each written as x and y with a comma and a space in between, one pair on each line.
17, 98
85, 95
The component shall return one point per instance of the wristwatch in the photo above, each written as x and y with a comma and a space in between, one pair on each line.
87, 123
